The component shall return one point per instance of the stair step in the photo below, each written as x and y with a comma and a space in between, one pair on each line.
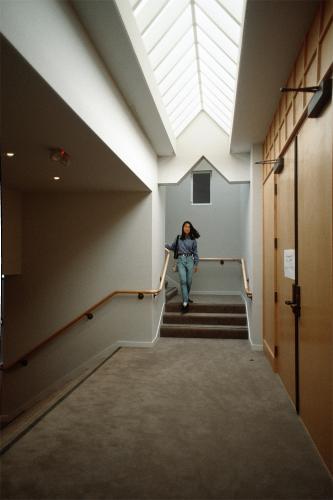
170, 292
204, 318
207, 308
204, 331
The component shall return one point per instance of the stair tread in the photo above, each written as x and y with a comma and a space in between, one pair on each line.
197, 326
204, 314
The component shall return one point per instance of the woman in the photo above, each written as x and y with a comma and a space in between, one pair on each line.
188, 259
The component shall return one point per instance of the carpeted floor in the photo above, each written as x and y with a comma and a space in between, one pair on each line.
188, 419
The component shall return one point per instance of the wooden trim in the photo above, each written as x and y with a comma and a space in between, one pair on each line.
310, 51
271, 353
268, 175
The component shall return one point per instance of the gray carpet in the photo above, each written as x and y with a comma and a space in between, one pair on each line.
188, 419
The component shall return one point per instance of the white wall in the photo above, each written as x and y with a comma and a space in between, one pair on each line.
50, 37
220, 224
158, 252
254, 249
77, 249
203, 137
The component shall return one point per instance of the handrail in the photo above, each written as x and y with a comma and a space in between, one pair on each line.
243, 265
88, 314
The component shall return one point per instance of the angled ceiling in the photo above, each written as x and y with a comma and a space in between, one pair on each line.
34, 119
272, 36
193, 48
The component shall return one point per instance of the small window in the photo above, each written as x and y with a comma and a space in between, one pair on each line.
201, 188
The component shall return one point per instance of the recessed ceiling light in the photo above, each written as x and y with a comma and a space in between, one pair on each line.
9, 154
56, 178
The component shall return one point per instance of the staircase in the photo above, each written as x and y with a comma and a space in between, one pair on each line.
209, 317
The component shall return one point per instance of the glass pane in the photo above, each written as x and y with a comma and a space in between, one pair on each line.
216, 34
216, 117
193, 83
175, 55
194, 95
207, 72
214, 66
187, 120
163, 22
147, 11
175, 33
235, 7
222, 18
201, 187
217, 104
187, 111
217, 53
177, 71
188, 75
207, 85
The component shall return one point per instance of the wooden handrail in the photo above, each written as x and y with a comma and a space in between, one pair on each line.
89, 314
233, 259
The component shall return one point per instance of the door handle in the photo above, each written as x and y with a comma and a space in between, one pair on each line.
294, 306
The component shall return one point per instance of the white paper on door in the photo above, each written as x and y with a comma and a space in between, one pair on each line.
289, 263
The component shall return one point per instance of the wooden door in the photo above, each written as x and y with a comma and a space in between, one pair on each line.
315, 279
269, 270
285, 232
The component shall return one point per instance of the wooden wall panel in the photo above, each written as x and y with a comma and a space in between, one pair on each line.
327, 14
310, 78
299, 67
312, 39
289, 121
298, 107
326, 51
314, 61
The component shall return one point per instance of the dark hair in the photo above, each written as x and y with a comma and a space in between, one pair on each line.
193, 232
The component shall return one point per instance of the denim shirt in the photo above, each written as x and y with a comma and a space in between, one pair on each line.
186, 246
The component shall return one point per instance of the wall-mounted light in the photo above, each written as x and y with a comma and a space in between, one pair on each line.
56, 178
9, 154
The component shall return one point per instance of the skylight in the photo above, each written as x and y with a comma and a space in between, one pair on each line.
193, 48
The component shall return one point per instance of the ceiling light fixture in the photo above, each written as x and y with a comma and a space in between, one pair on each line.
9, 154
56, 178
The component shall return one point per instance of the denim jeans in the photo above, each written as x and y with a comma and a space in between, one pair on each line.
185, 271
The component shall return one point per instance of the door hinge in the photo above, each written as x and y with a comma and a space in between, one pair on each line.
275, 242
276, 351
275, 296
275, 189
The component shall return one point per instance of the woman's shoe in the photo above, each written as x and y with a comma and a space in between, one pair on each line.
185, 308
190, 301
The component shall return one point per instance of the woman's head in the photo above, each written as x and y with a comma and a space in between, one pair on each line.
189, 230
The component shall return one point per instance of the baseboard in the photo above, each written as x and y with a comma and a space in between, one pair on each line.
63, 385
254, 347
215, 292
